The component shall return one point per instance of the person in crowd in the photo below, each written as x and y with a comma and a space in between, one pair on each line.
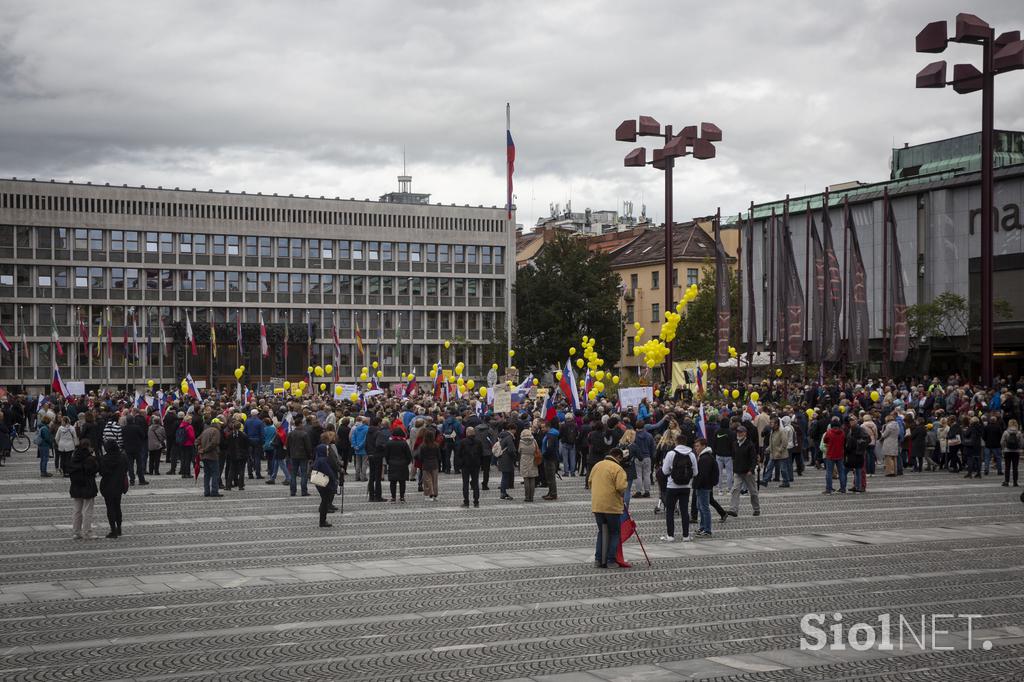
398, 457
607, 483
529, 460
467, 462
1011, 444
679, 467
113, 468
322, 463
429, 455
744, 461
65, 441
44, 445
156, 441
300, 447
704, 482
208, 445
835, 456
82, 468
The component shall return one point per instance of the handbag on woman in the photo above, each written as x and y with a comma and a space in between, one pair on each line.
319, 479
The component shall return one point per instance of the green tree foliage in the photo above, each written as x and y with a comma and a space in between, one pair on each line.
566, 293
948, 317
695, 338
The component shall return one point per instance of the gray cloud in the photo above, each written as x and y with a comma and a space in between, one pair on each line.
320, 98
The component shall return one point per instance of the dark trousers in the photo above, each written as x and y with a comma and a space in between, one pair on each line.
326, 498
485, 469
400, 486
1012, 460
470, 478
506, 482
255, 457
113, 503
234, 477
608, 527
711, 501
63, 460
551, 474
139, 458
154, 462
446, 455
376, 471
677, 498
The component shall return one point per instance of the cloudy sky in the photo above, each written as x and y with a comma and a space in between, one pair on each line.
320, 98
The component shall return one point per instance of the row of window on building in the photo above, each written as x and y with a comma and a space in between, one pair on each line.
153, 279
50, 239
15, 318
252, 214
692, 274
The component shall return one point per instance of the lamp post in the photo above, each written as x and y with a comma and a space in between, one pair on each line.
999, 55
686, 143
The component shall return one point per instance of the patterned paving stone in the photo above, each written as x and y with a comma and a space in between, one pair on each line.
247, 587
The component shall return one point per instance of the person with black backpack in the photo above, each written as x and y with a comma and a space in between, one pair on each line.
679, 467
1011, 444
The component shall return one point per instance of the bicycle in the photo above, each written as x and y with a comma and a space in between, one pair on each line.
19, 441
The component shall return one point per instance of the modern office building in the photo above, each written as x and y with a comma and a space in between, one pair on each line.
132, 265
935, 194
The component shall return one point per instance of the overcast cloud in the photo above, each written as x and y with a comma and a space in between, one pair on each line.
320, 98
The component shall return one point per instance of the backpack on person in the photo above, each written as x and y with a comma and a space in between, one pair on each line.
180, 435
1013, 440
682, 468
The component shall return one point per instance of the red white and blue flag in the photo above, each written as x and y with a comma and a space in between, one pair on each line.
57, 384
702, 428
4, 343
264, 348
412, 388
247, 395
549, 407
527, 382
751, 408
700, 380
438, 381
510, 157
192, 390
568, 386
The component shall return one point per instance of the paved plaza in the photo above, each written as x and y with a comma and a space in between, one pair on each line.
247, 587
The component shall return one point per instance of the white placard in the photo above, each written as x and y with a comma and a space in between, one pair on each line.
631, 397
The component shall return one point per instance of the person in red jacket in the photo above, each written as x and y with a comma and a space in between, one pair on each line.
835, 450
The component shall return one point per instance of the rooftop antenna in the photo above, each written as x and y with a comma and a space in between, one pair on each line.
404, 180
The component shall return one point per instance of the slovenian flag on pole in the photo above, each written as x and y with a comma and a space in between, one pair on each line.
568, 386
188, 334
700, 380
4, 343
702, 428
56, 336
510, 156
238, 331
527, 383
412, 388
264, 348
192, 391
549, 407
57, 384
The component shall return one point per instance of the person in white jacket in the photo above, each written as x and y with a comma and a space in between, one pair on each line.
65, 441
677, 493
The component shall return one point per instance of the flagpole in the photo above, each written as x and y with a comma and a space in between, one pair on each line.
885, 283
752, 324
846, 280
774, 325
807, 285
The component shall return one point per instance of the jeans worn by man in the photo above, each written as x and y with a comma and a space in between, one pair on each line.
567, 453
785, 468
255, 459
703, 496
830, 466
300, 467
137, 467
211, 478
607, 538
994, 454
278, 464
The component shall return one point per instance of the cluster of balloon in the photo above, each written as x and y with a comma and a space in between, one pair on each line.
655, 350
593, 362
239, 372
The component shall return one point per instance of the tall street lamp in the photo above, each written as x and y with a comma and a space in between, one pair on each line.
686, 143
1005, 53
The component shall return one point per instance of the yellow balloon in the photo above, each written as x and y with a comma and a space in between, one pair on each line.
447, 344
309, 370
494, 366
874, 395
615, 379
459, 367
337, 390
713, 366
810, 412
592, 394
572, 351
735, 394
536, 382
585, 339
558, 375
287, 385
353, 397
380, 374
579, 363
755, 396
297, 392
150, 383
657, 393
302, 385
242, 367
483, 391
470, 384
375, 365
433, 374
778, 372
329, 369
323, 387
842, 408
238, 373
369, 385
364, 370
318, 370
511, 353
704, 366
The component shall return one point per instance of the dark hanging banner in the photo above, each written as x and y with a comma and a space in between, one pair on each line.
857, 304
721, 293
793, 305
818, 292
751, 308
833, 293
900, 333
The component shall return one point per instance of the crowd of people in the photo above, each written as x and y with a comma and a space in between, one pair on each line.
684, 448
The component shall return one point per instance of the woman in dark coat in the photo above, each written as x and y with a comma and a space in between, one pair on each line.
82, 470
113, 474
398, 456
322, 463
429, 455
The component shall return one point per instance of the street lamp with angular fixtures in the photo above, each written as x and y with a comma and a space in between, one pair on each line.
999, 55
